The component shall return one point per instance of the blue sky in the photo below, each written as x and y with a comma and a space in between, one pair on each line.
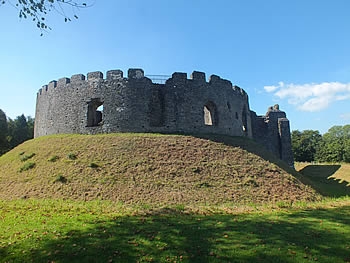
292, 52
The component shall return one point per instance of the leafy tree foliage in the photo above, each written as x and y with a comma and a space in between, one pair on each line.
3, 132
14, 132
18, 130
37, 10
335, 145
305, 145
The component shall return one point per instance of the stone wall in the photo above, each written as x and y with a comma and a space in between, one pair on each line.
136, 104
272, 130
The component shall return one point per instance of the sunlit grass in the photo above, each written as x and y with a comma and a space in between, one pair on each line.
61, 231
146, 168
174, 199
327, 179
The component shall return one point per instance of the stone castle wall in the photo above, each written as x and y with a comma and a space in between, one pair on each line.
136, 104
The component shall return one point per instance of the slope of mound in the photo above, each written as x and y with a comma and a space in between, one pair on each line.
144, 169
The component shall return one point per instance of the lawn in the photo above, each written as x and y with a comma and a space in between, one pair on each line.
331, 180
59, 231
115, 199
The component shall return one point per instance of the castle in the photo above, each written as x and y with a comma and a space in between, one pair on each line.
136, 104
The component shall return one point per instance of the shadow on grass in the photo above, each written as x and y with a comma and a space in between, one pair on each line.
316, 176
245, 143
320, 176
171, 236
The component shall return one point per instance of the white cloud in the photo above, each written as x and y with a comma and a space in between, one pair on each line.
270, 88
312, 96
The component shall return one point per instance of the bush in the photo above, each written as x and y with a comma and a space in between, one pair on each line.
93, 165
27, 166
53, 158
72, 156
27, 157
60, 179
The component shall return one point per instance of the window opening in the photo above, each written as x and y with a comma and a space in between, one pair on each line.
210, 114
244, 121
95, 113
207, 116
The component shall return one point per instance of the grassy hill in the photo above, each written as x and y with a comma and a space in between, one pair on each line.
148, 169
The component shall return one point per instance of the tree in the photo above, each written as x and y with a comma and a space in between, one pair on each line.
335, 145
3, 132
18, 131
30, 124
305, 145
37, 10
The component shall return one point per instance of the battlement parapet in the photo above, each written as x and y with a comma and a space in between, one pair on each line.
198, 76
63, 81
135, 73
138, 74
77, 78
95, 75
179, 76
114, 74
52, 84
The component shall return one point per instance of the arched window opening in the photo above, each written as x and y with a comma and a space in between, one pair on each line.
244, 121
95, 113
210, 114
207, 116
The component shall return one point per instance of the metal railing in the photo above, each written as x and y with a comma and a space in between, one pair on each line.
160, 79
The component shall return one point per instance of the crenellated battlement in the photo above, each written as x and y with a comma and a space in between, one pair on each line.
98, 103
138, 74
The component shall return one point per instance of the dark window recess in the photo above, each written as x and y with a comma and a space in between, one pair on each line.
244, 121
94, 114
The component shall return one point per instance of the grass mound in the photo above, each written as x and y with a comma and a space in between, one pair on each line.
146, 169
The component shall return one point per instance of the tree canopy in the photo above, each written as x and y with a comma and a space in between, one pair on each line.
14, 132
37, 10
3, 132
305, 144
333, 146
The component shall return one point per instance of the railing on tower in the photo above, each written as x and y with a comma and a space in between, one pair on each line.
160, 79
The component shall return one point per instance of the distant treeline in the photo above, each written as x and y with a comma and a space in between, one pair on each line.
14, 132
311, 146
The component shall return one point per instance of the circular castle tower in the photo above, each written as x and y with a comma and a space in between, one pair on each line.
135, 104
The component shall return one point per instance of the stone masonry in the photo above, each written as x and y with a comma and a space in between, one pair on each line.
135, 104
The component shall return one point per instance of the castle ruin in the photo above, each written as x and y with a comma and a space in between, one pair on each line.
136, 104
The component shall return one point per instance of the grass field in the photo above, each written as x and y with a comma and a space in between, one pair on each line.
147, 168
57, 231
67, 228
328, 179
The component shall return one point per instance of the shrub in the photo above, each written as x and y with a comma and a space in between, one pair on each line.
27, 157
53, 158
27, 166
60, 179
72, 156
93, 165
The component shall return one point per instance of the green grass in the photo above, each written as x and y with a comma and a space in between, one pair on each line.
328, 179
60, 231
168, 199
149, 168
